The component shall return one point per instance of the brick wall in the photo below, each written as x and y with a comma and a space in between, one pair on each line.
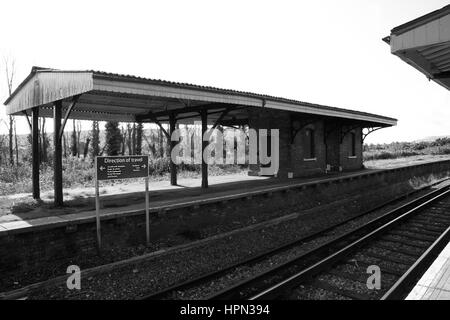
293, 158
302, 163
346, 160
273, 119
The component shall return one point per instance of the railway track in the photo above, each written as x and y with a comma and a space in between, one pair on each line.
254, 285
302, 261
402, 249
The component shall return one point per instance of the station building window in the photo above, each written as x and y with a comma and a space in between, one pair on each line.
353, 144
310, 148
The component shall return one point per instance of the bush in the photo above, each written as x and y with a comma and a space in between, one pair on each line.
420, 146
383, 155
79, 172
440, 151
17, 179
161, 166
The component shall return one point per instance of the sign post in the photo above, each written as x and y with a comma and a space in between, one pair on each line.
118, 168
97, 209
147, 214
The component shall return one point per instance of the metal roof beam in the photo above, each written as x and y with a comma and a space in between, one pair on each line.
443, 64
417, 60
28, 119
182, 110
155, 120
67, 115
442, 75
234, 122
222, 115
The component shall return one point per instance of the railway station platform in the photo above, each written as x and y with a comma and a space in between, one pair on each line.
181, 214
125, 197
435, 282
120, 201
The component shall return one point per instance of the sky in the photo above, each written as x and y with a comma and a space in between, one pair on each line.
326, 52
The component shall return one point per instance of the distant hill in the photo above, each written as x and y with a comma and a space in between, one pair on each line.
431, 138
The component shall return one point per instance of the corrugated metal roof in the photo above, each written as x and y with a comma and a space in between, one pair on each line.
133, 78
424, 44
226, 91
438, 56
421, 20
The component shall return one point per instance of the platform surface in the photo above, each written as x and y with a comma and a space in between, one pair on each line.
21, 211
435, 283
162, 195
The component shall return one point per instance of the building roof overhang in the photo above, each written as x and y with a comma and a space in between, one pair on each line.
424, 43
109, 96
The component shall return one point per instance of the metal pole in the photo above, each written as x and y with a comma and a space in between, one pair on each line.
57, 158
35, 151
147, 213
172, 144
97, 208
204, 117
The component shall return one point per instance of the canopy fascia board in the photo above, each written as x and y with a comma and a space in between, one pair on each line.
47, 87
330, 113
432, 33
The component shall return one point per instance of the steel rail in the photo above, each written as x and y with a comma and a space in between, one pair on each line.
403, 286
334, 245
190, 283
307, 273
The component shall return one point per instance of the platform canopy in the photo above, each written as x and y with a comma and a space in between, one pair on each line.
126, 98
95, 95
424, 43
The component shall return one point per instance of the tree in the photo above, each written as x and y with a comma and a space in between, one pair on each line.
129, 139
44, 140
10, 72
150, 143
133, 139
78, 139
123, 138
74, 141
86, 147
113, 138
139, 132
16, 144
167, 143
95, 139
160, 143
64, 145
2, 139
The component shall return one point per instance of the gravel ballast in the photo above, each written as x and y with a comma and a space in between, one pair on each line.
134, 281
138, 279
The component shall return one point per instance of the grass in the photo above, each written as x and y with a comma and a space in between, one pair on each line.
17, 179
397, 150
384, 155
406, 161
78, 172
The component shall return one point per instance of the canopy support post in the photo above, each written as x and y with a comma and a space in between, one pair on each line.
204, 117
35, 152
57, 158
173, 166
